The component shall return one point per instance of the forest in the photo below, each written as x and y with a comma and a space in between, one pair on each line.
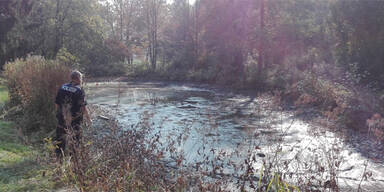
319, 61
200, 41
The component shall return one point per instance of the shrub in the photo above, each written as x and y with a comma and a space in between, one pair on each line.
107, 59
68, 59
33, 83
139, 68
108, 69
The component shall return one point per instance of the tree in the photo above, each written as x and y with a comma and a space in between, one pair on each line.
11, 13
262, 36
51, 25
359, 28
152, 10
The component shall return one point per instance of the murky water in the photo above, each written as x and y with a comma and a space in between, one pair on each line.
211, 123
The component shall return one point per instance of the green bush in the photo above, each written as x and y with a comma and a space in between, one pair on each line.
33, 83
108, 69
68, 59
106, 60
139, 68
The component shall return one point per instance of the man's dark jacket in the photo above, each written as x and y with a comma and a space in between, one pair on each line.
73, 97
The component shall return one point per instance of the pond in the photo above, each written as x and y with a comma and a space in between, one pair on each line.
216, 125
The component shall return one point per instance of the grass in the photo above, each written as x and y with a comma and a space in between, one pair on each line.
19, 168
3, 94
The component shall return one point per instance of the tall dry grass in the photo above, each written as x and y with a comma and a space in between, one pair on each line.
33, 83
111, 159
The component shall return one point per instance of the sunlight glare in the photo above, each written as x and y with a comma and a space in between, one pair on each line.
190, 1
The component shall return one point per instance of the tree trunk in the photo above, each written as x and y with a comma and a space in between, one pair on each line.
57, 31
260, 60
196, 33
153, 7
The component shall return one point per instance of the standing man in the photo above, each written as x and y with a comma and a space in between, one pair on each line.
71, 107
